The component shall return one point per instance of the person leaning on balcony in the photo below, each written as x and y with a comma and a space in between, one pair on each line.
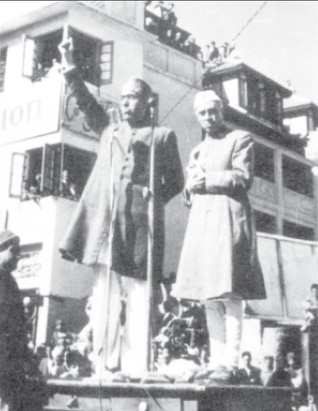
219, 263
116, 195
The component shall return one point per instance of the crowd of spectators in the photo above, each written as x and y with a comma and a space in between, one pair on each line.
67, 355
160, 19
181, 336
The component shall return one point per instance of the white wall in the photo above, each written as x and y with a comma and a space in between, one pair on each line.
297, 125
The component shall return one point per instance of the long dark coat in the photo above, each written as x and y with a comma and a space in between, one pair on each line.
13, 342
219, 252
89, 228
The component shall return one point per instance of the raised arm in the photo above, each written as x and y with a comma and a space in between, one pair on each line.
94, 113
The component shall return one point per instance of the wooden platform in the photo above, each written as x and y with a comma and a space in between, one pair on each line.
168, 397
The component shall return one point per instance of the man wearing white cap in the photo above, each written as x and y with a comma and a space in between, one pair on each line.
109, 228
219, 263
13, 334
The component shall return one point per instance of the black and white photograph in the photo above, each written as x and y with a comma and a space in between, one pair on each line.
159, 205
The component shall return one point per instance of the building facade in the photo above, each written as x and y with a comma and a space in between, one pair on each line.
48, 151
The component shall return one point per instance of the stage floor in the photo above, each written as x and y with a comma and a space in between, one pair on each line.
92, 396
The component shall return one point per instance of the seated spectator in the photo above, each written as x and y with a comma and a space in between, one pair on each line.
214, 52
280, 377
311, 309
35, 188
32, 191
84, 341
223, 52
267, 370
177, 42
232, 53
159, 7
191, 48
206, 54
56, 366
248, 375
30, 315
76, 364
59, 336
167, 37
169, 15
297, 379
45, 359
68, 188
151, 25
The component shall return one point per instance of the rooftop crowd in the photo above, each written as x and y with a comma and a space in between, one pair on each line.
161, 20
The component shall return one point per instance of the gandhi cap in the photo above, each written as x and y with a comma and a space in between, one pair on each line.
204, 97
6, 238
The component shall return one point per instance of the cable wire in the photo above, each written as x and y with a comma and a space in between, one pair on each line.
249, 21
200, 78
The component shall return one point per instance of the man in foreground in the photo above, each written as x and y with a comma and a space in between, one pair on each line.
13, 332
109, 229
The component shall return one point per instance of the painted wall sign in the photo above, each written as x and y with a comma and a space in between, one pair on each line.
29, 265
30, 113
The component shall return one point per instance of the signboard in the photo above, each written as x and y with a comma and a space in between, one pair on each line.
29, 265
30, 113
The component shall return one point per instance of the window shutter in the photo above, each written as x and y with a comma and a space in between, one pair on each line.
106, 62
47, 171
3, 63
62, 165
18, 165
29, 57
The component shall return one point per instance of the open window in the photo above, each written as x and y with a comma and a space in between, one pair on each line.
265, 223
264, 162
75, 168
297, 177
59, 170
93, 58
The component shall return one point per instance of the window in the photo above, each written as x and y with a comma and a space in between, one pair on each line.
60, 170
265, 223
264, 162
106, 62
76, 166
261, 98
297, 177
93, 59
252, 95
298, 231
3, 63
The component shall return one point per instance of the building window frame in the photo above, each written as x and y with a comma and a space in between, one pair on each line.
38, 172
3, 66
297, 176
94, 59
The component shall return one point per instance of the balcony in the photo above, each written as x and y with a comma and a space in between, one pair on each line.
170, 61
